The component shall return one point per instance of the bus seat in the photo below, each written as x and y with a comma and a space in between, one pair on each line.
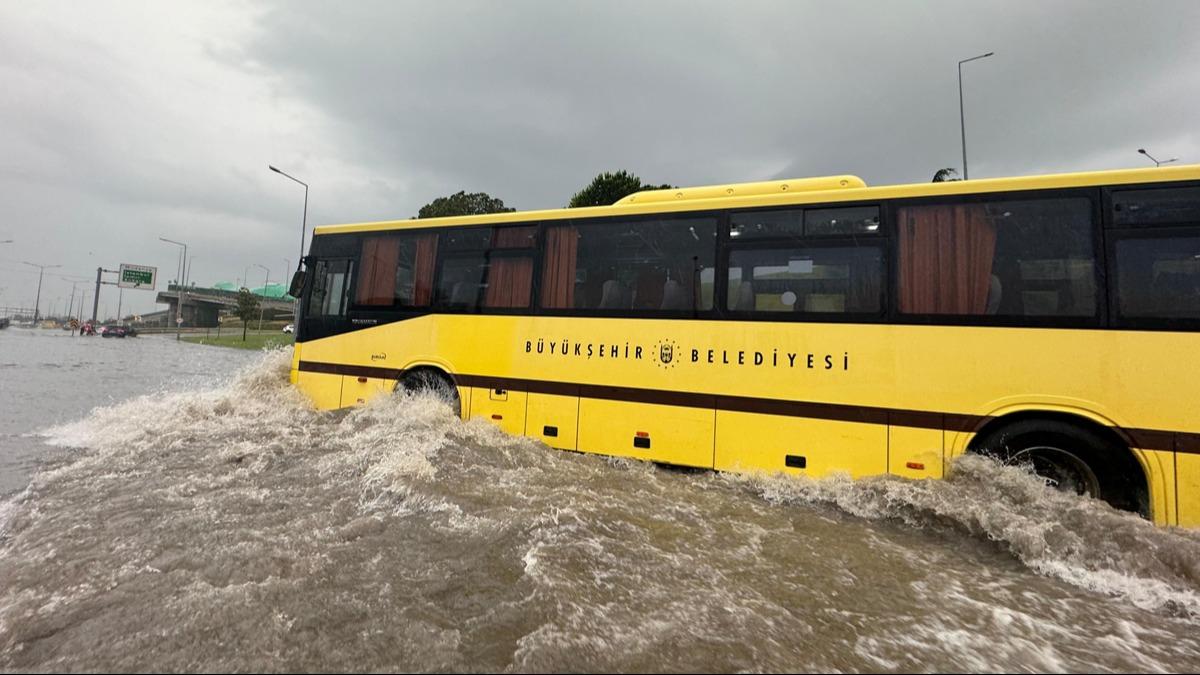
674, 296
995, 292
824, 302
1174, 287
612, 295
463, 293
745, 299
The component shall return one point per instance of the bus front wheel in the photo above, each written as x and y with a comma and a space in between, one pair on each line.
1072, 458
431, 380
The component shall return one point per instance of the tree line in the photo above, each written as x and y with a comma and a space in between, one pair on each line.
605, 189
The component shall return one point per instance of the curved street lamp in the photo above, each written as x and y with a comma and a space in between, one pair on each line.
1157, 163
179, 278
266, 282
304, 221
961, 117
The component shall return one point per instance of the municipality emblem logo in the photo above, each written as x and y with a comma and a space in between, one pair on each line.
665, 350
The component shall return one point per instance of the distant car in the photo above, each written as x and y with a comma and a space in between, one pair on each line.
113, 331
290, 328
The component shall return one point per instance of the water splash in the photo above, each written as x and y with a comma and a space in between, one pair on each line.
236, 528
1084, 542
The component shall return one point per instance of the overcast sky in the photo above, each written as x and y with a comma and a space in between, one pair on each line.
123, 122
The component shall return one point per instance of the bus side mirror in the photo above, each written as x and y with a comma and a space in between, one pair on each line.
297, 286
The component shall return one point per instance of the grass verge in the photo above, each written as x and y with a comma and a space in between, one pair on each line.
252, 341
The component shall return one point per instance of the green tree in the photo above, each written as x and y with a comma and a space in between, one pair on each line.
945, 175
462, 204
247, 306
610, 188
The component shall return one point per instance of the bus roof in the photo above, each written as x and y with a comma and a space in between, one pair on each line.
826, 189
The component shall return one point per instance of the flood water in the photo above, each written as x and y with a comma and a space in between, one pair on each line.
175, 507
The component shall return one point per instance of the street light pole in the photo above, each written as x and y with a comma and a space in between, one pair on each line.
304, 222
962, 121
71, 312
179, 277
287, 266
1156, 162
38, 301
266, 281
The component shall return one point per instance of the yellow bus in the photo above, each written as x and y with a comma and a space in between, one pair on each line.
800, 327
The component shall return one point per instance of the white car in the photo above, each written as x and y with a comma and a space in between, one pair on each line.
290, 328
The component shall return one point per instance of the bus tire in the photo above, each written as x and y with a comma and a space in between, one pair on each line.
431, 380
1073, 458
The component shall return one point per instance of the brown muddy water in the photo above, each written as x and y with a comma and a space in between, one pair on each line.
182, 508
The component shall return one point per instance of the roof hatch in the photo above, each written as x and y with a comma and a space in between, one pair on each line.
746, 189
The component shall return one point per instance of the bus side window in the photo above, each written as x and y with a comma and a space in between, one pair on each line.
461, 281
1151, 207
1159, 277
819, 261
1019, 258
814, 279
489, 268
1156, 252
510, 268
639, 266
395, 271
328, 295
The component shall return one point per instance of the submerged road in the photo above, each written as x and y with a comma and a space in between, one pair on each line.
176, 507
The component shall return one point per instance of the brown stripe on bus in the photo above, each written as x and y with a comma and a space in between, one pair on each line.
1146, 439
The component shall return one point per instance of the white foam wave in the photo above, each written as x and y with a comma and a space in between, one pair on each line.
1083, 542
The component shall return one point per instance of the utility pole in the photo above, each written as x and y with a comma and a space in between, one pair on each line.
37, 303
96, 295
96, 300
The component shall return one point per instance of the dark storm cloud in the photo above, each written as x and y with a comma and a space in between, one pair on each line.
120, 123
532, 99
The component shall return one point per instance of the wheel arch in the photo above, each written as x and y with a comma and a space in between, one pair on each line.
1088, 422
442, 371
439, 368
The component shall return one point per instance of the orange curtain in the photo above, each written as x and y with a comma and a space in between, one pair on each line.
423, 269
510, 281
946, 255
377, 271
558, 273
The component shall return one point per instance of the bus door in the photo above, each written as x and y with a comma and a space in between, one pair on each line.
324, 312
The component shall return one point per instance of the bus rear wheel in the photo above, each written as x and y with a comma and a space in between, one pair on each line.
1072, 458
1063, 467
431, 380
